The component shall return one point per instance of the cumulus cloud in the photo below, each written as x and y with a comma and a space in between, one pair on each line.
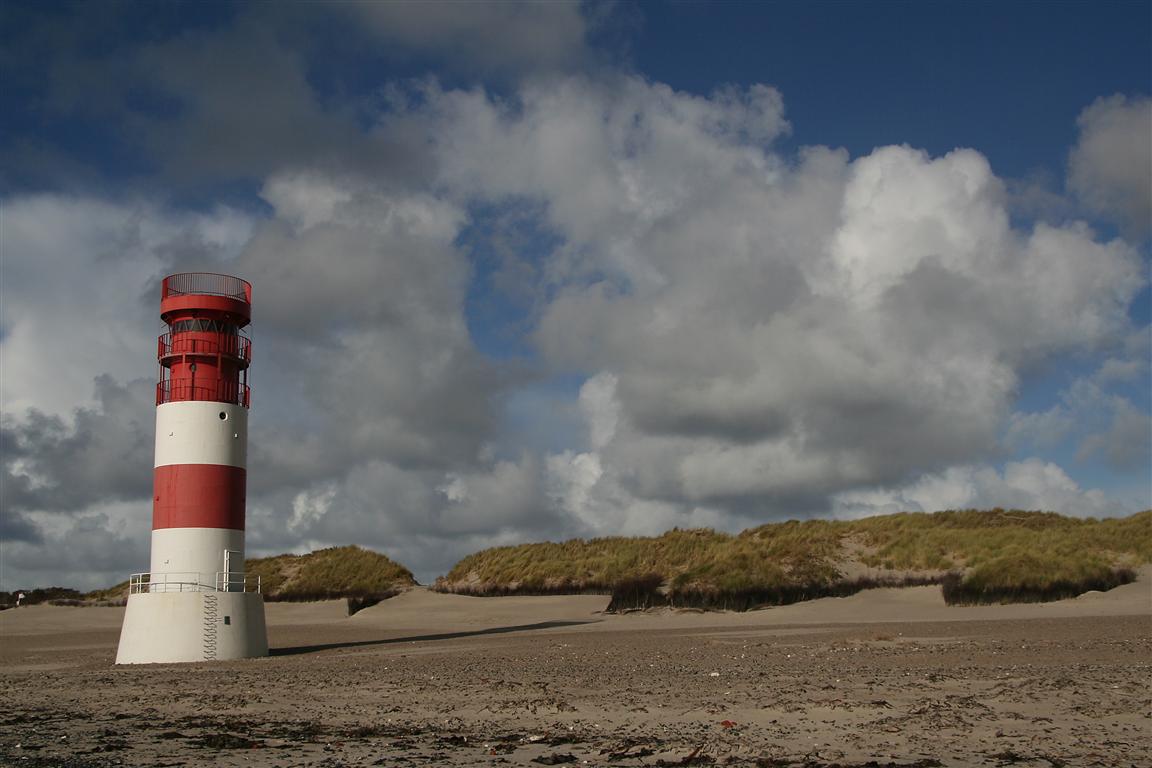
81, 276
777, 334
506, 497
1028, 484
606, 157
1110, 167
100, 454
360, 307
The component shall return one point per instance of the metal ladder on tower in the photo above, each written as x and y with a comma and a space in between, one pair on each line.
211, 617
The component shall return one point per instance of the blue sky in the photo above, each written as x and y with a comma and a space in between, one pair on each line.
1006, 78
529, 271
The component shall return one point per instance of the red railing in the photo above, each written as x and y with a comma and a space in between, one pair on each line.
183, 390
235, 346
206, 284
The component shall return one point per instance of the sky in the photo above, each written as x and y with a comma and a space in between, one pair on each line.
535, 271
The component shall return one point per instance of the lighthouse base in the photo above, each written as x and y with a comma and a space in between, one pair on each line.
167, 627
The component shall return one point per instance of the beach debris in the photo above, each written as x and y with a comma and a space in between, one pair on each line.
695, 757
229, 741
624, 751
558, 758
455, 740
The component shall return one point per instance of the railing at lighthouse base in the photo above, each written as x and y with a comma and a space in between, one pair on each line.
189, 581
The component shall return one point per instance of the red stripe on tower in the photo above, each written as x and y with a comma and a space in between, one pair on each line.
199, 496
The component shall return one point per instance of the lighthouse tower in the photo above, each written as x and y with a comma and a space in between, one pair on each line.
196, 603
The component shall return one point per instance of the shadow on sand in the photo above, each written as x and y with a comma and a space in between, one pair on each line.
298, 649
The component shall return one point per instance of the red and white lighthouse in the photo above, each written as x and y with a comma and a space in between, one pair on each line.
196, 603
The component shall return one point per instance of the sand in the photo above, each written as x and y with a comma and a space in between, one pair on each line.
885, 677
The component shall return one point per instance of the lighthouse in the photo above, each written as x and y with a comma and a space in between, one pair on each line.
196, 603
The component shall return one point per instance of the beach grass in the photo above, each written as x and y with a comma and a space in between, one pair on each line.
328, 574
982, 556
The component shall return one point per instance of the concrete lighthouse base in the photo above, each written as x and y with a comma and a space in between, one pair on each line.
166, 627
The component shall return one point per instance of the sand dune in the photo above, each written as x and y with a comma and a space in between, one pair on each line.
421, 608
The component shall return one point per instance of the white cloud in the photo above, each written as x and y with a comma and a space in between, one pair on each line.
310, 506
507, 496
1029, 484
80, 292
1044, 429
1110, 167
609, 158
771, 330
902, 208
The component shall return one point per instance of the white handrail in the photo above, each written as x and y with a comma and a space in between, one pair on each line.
188, 581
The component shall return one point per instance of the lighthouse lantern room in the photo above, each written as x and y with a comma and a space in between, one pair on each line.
196, 603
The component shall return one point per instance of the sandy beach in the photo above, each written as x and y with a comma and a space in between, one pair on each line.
885, 677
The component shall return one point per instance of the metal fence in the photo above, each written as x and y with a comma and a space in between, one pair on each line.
182, 390
188, 581
206, 284
231, 345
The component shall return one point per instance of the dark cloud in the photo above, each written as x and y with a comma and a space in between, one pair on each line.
97, 456
14, 526
212, 93
1110, 168
88, 551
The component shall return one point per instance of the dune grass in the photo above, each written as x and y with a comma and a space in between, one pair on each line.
361, 576
327, 574
969, 538
112, 597
980, 555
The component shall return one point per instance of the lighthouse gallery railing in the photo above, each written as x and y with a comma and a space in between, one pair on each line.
206, 284
188, 581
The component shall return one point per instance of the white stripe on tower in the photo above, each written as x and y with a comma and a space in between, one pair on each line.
194, 432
